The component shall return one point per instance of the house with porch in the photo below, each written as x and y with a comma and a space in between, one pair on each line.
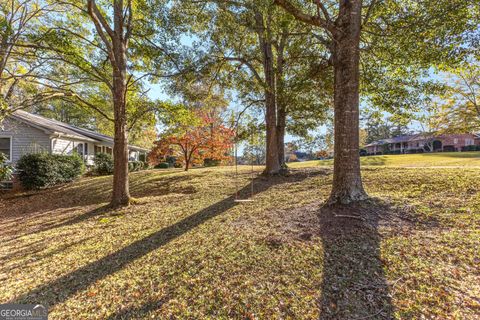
24, 133
418, 143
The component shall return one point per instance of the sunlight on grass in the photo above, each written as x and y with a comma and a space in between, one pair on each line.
188, 251
445, 159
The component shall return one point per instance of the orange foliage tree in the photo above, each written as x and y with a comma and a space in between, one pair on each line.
200, 136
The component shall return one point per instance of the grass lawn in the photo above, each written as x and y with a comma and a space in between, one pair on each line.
188, 251
444, 159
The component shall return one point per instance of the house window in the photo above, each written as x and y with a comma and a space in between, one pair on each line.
455, 141
108, 150
97, 149
6, 147
80, 149
469, 142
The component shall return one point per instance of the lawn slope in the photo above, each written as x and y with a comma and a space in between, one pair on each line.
188, 251
445, 159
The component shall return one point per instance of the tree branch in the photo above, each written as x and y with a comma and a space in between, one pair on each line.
300, 15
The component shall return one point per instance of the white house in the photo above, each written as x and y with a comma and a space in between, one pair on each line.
23, 133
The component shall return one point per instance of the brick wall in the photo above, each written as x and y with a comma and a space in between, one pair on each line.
457, 140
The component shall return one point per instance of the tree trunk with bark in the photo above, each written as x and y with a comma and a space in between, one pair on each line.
116, 43
121, 192
272, 166
281, 103
281, 124
347, 181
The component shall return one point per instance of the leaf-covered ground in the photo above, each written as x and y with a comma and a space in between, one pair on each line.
441, 159
188, 251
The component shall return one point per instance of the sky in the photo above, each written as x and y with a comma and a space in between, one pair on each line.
157, 92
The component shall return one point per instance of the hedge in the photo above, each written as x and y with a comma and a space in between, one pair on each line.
211, 162
103, 164
43, 170
162, 165
471, 148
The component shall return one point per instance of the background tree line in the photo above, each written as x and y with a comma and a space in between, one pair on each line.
289, 64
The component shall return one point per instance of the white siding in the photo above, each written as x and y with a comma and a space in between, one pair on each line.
25, 139
65, 146
62, 146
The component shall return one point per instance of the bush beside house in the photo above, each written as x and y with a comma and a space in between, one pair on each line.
6, 171
103, 165
134, 166
471, 148
43, 170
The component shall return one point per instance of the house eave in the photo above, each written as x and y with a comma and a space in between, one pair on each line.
70, 136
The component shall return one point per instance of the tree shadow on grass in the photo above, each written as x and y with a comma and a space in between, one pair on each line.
156, 186
354, 284
86, 192
64, 287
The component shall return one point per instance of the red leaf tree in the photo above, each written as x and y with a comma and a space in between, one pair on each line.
197, 136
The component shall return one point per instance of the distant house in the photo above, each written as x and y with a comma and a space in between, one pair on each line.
423, 143
23, 133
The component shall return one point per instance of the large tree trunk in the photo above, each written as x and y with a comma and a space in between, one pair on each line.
281, 119
121, 192
281, 105
347, 181
272, 166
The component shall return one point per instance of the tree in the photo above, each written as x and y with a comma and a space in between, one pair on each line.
142, 131
23, 74
344, 31
400, 41
193, 136
101, 54
264, 55
458, 110
252, 135
115, 40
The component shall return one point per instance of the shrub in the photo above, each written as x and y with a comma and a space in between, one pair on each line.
171, 160
145, 165
470, 148
103, 164
162, 165
448, 148
211, 162
43, 170
6, 171
134, 166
